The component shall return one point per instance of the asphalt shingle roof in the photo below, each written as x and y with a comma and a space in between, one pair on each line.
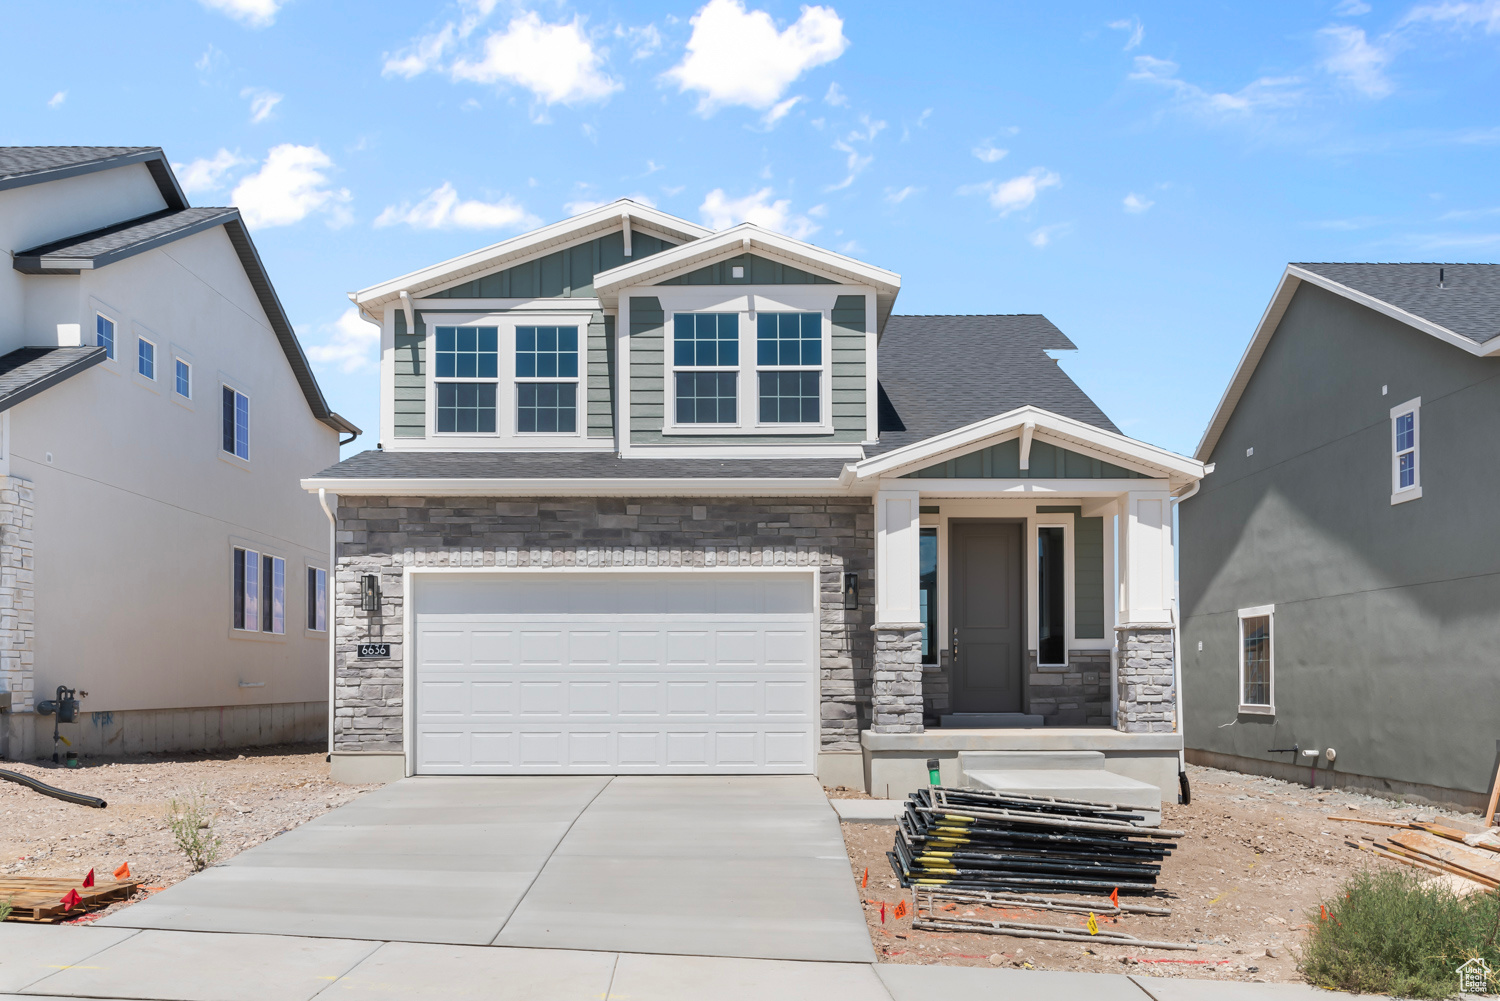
944, 372
112, 243
22, 165
567, 466
26, 372
1467, 302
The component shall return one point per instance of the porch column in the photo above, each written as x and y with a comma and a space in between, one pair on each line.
898, 627
1145, 662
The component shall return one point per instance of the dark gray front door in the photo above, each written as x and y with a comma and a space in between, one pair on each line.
985, 616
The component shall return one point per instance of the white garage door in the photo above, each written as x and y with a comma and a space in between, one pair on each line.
696, 671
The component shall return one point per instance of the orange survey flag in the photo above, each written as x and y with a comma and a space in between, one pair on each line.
901, 909
1114, 896
866, 880
123, 872
89, 879
72, 900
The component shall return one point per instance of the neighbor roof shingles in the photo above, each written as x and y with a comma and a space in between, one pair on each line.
1467, 302
102, 246
26, 372
568, 466
22, 161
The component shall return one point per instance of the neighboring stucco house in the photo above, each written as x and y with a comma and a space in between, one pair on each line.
156, 414
1340, 578
651, 498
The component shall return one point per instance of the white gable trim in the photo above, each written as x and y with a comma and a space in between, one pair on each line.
1291, 280
517, 250
1045, 426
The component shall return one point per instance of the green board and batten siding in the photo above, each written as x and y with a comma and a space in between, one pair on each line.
1003, 461
1088, 572
563, 274
648, 367
410, 390
758, 271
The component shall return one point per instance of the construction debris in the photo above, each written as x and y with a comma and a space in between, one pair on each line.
979, 840
42, 898
1440, 845
927, 900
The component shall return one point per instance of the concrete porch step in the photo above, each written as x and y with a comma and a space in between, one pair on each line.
988, 721
969, 761
1089, 784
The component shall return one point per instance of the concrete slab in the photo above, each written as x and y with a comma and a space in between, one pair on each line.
399, 970
970, 983
693, 978
868, 811
1174, 989
30, 952
195, 966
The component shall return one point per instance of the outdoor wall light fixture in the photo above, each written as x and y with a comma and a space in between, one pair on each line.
369, 592
851, 590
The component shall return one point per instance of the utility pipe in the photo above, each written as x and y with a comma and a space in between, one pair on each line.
328, 617
1185, 790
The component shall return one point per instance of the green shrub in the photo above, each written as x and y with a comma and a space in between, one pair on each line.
1398, 933
191, 822
5, 908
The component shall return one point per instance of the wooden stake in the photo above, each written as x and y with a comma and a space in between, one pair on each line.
1489, 811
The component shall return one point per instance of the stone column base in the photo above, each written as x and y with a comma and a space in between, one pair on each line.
898, 678
1147, 680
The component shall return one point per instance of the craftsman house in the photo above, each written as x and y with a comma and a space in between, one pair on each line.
651, 498
1340, 586
156, 413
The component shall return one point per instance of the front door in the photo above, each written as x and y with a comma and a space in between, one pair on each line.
985, 615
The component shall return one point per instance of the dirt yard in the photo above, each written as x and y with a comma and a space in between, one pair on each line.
256, 794
1257, 859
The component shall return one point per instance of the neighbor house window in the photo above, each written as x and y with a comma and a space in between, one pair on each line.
1406, 467
184, 379
273, 594
468, 362
104, 334
547, 380
927, 594
145, 358
1256, 652
706, 359
789, 360
317, 599
236, 423
246, 589
1051, 591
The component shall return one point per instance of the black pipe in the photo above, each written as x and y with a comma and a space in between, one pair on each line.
77, 798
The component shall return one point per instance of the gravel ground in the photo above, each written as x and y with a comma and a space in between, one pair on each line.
255, 795
1258, 857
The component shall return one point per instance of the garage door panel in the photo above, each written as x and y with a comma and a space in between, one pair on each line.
688, 648
640, 648
688, 748
591, 648
492, 749
687, 698
738, 698
639, 749
493, 698
734, 749
786, 698
541, 698
738, 647
492, 648
787, 647
542, 647
590, 749
589, 698
446, 647
542, 748
443, 698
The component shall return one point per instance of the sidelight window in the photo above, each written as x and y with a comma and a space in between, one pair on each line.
927, 594
1051, 589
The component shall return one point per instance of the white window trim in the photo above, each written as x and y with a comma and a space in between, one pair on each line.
327, 603
1269, 611
669, 360
506, 380
825, 370
178, 356
113, 352
232, 458
1400, 494
155, 358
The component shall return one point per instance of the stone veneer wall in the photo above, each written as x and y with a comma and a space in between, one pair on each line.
1147, 686
898, 679
17, 593
1073, 694
384, 534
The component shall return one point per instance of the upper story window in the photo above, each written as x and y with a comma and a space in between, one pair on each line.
546, 380
777, 360
184, 379
1406, 469
104, 334
468, 358
706, 356
145, 358
236, 414
789, 356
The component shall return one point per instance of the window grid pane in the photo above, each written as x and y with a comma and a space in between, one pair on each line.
1408, 470
466, 407
544, 407
145, 359
251, 615
274, 577
706, 339
468, 352
1406, 437
706, 397
184, 379
546, 352
239, 589
789, 397
789, 339
242, 425
1255, 634
317, 593
228, 442
104, 335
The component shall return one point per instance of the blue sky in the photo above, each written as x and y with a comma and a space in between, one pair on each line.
1140, 173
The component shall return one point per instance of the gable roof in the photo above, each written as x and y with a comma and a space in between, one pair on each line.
22, 165
1458, 304
938, 373
26, 372
101, 247
507, 253
750, 238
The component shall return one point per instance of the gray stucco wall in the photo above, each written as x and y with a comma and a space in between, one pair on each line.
1387, 621
384, 534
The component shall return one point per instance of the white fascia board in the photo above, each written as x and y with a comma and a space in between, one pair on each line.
602, 486
1291, 280
719, 450
1045, 489
1049, 427
586, 225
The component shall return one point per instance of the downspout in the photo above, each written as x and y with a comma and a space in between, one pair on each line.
1186, 790
328, 612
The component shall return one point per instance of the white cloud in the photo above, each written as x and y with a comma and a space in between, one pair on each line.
291, 185
262, 103
644, 42
254, 13
584, 204
988, 153
421, 55
443, 209
351, 344
855, 161
1483, 14
1046, 234
779, 111
206, 173
212, 56
1018, 192
719, 211
1354, 60
737, 56
897, 197
1351, 8
1135, 27
56, 100
1262, 94
1134, 203
556, 62
836, 96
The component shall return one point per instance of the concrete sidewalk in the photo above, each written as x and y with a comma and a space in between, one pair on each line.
43, 961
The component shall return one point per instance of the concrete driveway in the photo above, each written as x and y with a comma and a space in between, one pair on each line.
737, 866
